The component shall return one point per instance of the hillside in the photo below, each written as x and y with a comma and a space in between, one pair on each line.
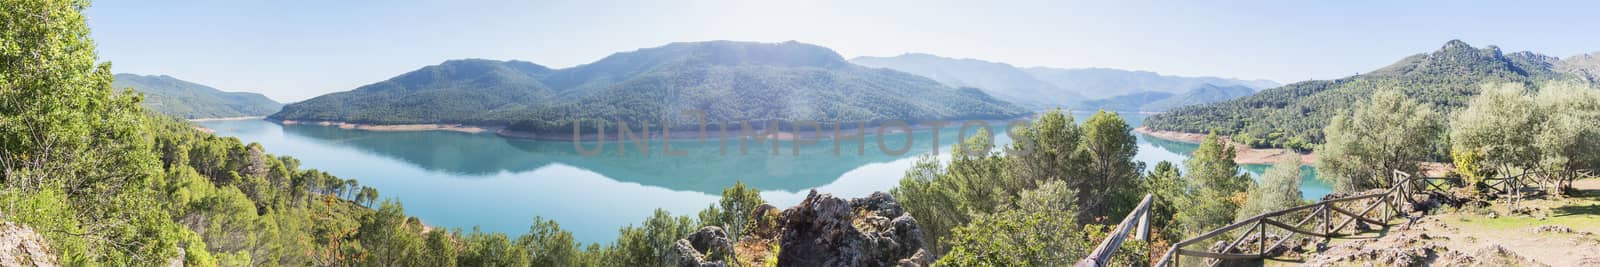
455, 91
1151, 101
1133, 102
728, 80
1205, 94
1586, 66
1293, 115
188, 100
999, 79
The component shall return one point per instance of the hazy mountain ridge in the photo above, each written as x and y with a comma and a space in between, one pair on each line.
1092, 80
727, 80
999, 79
1585, 66
188, 100
1043, 87
1152, 101
1205, 94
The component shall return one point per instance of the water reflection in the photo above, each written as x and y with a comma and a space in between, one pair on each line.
453, 179
704, 166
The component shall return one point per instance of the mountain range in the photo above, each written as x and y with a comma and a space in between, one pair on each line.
727, 80
1293, 115
183, 99
1043, 87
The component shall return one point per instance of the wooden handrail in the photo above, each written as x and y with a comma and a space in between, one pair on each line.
1400, 188
1102, 253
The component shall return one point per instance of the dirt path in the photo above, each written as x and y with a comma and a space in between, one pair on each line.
1556, 232
1550, 232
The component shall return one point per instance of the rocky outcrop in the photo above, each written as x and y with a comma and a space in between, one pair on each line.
824, 230
21, 246
705, 248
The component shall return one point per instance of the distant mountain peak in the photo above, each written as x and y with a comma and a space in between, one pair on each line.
724, 52
1455, 44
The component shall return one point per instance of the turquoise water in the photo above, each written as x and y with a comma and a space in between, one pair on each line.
454, 179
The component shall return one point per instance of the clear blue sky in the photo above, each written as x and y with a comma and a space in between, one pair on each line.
293, 50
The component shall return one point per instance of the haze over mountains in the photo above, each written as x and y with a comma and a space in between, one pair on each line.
1152, 101
728, 80
1043, 87
184, 99
1293, 115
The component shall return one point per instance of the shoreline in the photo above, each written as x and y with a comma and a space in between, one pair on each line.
242, 118
392, 127
1268, 156
712, 130
1245, 154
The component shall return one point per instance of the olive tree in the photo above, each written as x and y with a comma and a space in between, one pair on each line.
1500, 124
1567, 139
1390, 132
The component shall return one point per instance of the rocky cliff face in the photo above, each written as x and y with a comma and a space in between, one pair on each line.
822, 230
828, 231
21, 246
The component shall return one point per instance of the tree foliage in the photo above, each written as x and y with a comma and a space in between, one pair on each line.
1507, 129
1279, 189
1293, 116
1031, 204
1216, 188
1390, 132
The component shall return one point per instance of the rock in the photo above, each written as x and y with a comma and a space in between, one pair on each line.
763, 223
1552, 229
916, 260
761, 212
1590, 261
824, 230
21, 246
711, 240
880, 202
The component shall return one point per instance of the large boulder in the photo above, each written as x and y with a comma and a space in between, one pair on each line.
705, 248
824, 230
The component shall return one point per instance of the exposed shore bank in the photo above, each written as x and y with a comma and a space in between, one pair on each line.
228, 118
1245, 154
1268, 156
712, 131
393, 127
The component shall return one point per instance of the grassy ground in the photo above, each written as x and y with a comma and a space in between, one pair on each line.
1575, 243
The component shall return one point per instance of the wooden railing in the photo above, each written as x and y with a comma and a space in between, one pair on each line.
1102, 253
1326, 214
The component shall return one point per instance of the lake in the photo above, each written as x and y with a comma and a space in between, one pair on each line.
455, 179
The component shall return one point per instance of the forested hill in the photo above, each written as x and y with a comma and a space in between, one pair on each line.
727, 80
1293, 115
456, 91
187, 100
